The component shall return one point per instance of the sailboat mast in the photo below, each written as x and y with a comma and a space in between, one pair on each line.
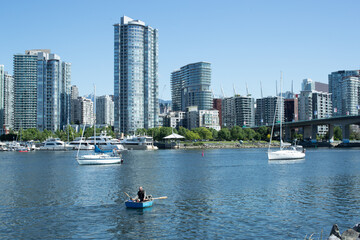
94, 117
281, 110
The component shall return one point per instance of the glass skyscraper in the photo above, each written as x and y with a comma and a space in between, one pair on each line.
135, 76
41, 90
53, 92
345, 89
2, 83
25, 90
190, 86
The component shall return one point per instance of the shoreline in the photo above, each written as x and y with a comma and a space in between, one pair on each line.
220, 145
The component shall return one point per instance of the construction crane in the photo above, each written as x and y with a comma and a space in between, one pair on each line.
222, 91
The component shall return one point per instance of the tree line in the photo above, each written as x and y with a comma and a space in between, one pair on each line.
202, 133
225, 134
33, 134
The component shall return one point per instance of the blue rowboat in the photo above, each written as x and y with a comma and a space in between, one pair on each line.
133, 204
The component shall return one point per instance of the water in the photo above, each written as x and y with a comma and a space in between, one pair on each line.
228, 193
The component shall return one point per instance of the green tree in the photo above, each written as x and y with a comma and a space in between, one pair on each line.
237, 133
165, 131
263, 132
141, 131
203, 132
337, 133
249, 133
29, 134
190, 135
214, 133
182, 131
224, 134
154, 132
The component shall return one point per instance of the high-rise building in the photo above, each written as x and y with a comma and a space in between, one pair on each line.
105, 110
74, 92
228, 112
267, 108
25, 90
308, 85
82, 111
176, 90
238, 111
244, 111
65, 94
40, 90
315, 105
2, 110
190, 86
217, 105
6, 101
291, 109
345, 89
53, 91
136, 87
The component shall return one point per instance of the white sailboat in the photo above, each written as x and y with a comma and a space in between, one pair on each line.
99, 157
286, 151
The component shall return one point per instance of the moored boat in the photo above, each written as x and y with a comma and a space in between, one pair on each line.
139, 143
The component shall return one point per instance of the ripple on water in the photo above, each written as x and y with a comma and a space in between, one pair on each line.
229, 193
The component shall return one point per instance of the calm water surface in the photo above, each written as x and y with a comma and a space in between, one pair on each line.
228, 193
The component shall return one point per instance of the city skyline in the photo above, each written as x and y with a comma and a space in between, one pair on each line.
245, 42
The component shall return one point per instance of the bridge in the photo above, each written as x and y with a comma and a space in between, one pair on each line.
310, 126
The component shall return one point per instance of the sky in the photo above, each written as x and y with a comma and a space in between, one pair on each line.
245, 41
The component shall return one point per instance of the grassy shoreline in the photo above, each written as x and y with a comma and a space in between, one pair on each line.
226, 144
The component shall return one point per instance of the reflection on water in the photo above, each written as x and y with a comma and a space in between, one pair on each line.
228, 193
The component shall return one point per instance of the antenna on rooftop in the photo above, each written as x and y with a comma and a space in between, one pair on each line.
276, 87
234, 89
261, 90
247, 90
292, 86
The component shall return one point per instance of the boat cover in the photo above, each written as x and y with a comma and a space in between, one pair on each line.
98, 150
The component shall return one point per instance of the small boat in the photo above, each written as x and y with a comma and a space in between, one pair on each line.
99, 157
85, 145
139, 143
286, 151
105, 142
134, 204
54, 144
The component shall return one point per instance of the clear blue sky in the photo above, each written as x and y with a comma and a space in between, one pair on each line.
246, 41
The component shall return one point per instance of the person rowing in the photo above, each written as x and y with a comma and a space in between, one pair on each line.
141, 196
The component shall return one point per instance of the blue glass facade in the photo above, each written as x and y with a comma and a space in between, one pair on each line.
135, 76
190, 86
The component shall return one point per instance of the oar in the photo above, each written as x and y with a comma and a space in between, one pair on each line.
127, 195
161, 197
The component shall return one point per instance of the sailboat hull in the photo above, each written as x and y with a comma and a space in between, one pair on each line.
285, 155
98, 159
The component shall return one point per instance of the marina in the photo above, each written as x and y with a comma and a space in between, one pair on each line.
218, 192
